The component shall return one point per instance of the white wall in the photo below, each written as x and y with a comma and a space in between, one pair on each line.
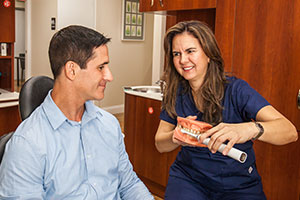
41, 13
130, 62
76, 12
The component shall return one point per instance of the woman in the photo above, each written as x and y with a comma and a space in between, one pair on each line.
197, 88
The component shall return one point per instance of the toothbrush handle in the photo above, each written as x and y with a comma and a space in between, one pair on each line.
234, 153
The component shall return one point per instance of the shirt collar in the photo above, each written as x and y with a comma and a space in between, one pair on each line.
91, 112
57, 118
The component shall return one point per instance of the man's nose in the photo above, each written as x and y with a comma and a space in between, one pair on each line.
108, 75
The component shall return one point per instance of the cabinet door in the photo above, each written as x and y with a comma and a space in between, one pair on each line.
9, 119
188, 5
174, 5
7, 22
266, 54
151, 5
129, 125
148, 161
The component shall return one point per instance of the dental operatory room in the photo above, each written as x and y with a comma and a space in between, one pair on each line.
149, 99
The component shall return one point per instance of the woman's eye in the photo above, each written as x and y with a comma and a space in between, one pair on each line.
175, 54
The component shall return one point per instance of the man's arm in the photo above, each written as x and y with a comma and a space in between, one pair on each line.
130, 186
21, 171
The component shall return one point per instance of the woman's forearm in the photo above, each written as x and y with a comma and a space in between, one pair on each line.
163, 137
278, 130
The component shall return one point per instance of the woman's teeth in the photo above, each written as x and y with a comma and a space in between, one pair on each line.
187, 68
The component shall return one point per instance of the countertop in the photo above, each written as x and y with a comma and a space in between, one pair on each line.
147, 91
8, 99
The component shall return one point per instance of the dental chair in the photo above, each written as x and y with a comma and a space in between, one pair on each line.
32, 94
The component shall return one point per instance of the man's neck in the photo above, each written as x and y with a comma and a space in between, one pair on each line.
66, 100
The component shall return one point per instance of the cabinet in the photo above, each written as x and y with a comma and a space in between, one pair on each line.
7, 69
266, 53
9, 119
260, 43
169, 5
7, 26
140, 124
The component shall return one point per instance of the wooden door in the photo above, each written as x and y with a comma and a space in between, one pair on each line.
266, 53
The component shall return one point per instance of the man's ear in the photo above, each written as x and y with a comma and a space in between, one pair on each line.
71, 69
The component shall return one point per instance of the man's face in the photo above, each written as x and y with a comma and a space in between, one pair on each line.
91, 82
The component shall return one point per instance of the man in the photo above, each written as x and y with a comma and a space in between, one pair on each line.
69, 148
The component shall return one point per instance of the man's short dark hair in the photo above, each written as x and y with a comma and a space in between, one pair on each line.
73, 43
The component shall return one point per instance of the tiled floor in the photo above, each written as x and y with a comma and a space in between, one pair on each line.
18, 88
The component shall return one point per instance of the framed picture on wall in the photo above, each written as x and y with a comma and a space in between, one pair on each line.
133, 21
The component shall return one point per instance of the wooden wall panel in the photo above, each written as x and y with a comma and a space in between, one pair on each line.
224, 30
266, 54
267, 51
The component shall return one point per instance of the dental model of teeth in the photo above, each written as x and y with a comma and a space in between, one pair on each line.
189, 131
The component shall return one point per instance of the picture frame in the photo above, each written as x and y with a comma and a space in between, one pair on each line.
133, 21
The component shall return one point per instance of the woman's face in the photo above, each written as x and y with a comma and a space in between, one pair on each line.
189, 59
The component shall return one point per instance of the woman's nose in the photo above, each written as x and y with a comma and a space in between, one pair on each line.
183, 59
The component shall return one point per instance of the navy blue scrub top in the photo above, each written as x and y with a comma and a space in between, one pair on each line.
215, 171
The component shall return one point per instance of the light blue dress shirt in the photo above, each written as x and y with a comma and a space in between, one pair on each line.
51, 157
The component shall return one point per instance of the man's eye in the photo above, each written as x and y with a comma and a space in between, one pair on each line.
101, 67
191, 51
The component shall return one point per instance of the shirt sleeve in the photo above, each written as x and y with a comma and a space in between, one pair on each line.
247, 99
130, 186
20, 171
164, 116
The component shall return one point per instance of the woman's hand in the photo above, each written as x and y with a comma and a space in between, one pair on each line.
233, 133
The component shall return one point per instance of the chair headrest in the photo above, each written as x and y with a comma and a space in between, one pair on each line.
33, 93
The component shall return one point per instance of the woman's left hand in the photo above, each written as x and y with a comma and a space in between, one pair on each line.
233, 133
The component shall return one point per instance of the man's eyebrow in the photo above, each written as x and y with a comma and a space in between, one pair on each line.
105, 63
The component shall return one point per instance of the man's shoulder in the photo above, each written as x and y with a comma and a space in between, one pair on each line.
32, 125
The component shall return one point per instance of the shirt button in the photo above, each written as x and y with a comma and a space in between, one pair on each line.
94, 184
88, 156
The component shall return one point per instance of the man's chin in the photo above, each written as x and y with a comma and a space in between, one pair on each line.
99, 98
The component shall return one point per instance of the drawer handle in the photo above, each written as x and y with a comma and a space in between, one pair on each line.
161, 3
152, 3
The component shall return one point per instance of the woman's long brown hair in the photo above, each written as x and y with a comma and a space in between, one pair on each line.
211, 92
